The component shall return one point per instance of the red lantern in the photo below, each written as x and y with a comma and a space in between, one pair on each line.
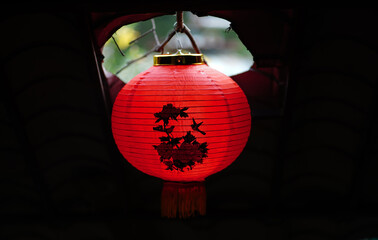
181, 121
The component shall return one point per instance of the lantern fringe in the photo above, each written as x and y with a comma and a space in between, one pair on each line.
183, 200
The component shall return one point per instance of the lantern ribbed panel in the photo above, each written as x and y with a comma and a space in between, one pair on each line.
211, 97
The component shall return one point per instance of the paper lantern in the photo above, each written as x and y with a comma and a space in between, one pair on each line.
181, 121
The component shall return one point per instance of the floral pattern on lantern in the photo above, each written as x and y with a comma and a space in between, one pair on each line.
176, 155
181, 122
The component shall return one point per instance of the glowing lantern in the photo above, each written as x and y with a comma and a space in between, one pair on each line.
181, 121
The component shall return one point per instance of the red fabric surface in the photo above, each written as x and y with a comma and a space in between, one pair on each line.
209, 96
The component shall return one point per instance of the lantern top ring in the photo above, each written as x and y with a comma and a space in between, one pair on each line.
178, 59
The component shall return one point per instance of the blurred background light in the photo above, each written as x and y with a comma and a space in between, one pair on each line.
220, 45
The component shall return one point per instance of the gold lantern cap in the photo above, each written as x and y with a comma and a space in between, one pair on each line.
178, 58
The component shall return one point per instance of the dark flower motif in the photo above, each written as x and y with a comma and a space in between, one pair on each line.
183, 113
174, 155
170, 112
159, 128
164, 150
175, 141
186, 153
195, 126
189, 137
203, 148
169, 130
165, 139
169, 164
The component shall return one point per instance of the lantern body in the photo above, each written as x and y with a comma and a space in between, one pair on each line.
191, 115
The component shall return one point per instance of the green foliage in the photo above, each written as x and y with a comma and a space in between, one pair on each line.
220, 46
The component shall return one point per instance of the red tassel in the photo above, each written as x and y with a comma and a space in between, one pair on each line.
183, 200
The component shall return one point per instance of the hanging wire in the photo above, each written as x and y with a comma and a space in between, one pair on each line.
154, 32
119, 49
179, 27
179, 44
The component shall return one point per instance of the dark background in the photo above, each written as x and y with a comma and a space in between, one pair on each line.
308, 172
